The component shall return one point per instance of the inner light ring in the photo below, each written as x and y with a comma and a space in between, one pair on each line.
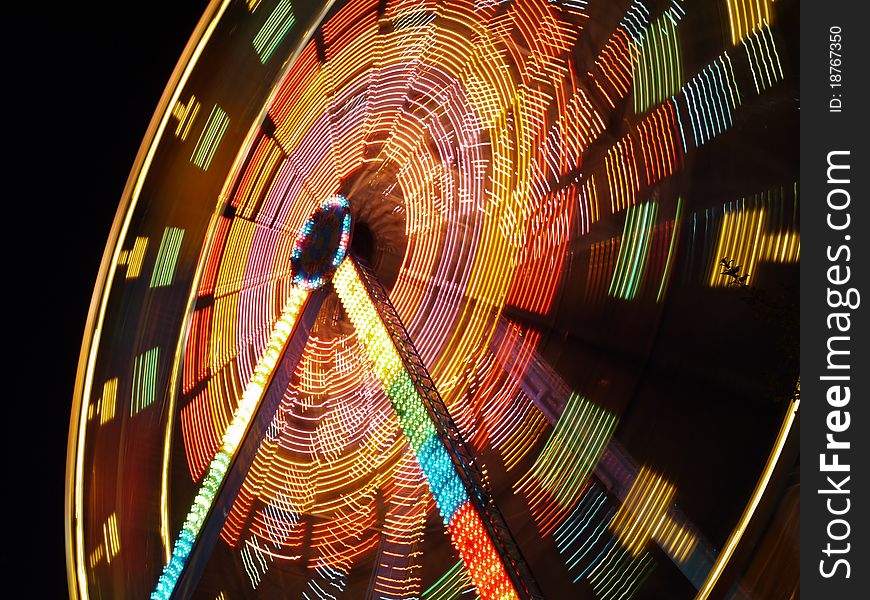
306, 251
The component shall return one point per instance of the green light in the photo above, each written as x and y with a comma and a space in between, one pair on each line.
619, 574
658, 71
413, 418
167, 257
678, 217
567, 460
210, 138
451, 585
274, 30
144, 380
631, 261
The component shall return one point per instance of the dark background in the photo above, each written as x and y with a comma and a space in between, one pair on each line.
85, 80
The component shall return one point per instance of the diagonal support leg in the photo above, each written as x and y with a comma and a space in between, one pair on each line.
477, 528
239, 446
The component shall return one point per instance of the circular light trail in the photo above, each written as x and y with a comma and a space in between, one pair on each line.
321, 244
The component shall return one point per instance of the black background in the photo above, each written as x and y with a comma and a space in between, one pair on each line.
85, 80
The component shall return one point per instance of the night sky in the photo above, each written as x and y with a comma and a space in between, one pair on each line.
86, 78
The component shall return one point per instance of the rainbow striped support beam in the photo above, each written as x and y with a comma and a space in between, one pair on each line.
467, 532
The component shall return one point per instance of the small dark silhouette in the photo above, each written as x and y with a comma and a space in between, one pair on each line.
732, 271
729, 269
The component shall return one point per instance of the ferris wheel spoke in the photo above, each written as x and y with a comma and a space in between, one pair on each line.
477, 528
239, 445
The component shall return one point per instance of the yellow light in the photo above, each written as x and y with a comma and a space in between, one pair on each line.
755, 499
186, 114
644, 517
745, 237
75, 542
133, 259
746, 16
107, 400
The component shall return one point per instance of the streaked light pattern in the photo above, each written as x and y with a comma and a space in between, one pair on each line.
105, 404
711, 97
745, 16
327, 584
455, 583
144, 380
578, 6
133, 258
258, 553
615, 64
230, 441
599, 270
519, 177
96, 556
661, 143
631, 261
277, 25
762, 228
658, 73
763, 58
111, 538
583, 538
167, 257
672, 246
255, 561
622, 175
111, 542
782, 437
210, 138
185, 114
619, 574
559, 474
643, 516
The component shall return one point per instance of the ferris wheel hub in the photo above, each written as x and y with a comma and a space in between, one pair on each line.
321, 243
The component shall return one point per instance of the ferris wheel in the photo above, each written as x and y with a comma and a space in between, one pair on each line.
443, 298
